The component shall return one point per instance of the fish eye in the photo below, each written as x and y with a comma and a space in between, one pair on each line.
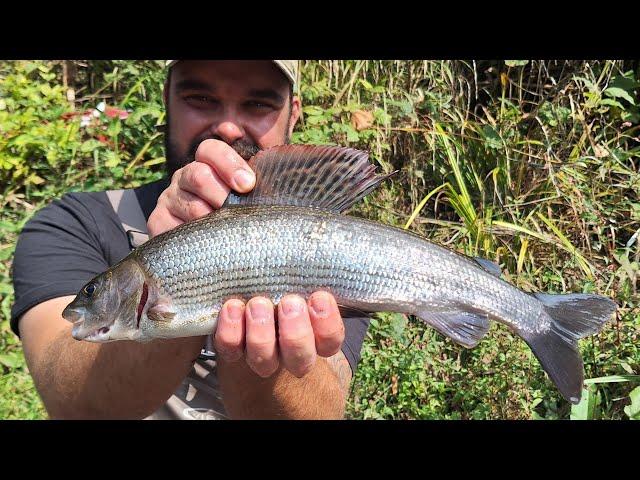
89, 289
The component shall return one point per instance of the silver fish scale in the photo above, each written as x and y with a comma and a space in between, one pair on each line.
275, 250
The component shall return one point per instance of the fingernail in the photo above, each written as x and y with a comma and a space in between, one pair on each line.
292, 306
320, 305
259, 311
244, 179
235, 312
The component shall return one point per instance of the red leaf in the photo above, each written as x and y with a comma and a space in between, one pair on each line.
113, 112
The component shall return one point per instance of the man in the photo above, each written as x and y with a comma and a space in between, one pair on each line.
219, 114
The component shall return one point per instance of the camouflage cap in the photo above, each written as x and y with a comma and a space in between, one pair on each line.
288, 67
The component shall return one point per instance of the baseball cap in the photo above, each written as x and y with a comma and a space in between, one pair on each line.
288, 67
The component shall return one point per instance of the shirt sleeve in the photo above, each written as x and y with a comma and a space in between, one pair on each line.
58, 251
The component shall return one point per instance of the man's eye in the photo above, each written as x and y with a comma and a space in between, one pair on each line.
256, 105
200, 99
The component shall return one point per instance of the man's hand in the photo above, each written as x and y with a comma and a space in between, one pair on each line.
304, 330
201, 186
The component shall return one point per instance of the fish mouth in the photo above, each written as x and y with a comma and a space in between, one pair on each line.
100, 334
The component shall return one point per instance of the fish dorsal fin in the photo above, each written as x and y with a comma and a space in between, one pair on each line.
489, 266
328, 177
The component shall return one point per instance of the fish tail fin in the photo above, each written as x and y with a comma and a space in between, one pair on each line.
573, 317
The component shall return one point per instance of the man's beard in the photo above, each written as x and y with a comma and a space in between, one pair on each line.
245, 147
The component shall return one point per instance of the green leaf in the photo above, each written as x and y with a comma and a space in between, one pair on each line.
611, 103
22, 140
113, 159
536, 402
625, 82
313, 110
633, 410
619, 93
46, 89
398, 323
316, 120
585, 410
9, 227
627, 368
516, 63
5, 306
11, 360
613, 379
135, 117
352, 135
491, 137
114, 128
6, 252
382, 117
90, 145
405, 106
366, 84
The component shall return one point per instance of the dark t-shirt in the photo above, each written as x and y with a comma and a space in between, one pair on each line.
79, 236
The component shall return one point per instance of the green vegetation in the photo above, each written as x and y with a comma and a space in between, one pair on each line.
531, 164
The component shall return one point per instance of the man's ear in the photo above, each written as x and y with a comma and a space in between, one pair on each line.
295, 113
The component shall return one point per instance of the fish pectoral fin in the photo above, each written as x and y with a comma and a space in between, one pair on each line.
350, 312
160, 313
461, 326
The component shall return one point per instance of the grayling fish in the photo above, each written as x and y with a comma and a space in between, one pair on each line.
287, 236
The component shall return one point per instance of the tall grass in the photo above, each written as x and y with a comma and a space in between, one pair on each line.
533, 164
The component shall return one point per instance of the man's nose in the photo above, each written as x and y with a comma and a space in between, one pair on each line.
228, 129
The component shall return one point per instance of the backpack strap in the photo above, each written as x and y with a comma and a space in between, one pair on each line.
127, 207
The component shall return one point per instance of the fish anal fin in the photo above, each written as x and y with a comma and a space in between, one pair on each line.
463, 327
